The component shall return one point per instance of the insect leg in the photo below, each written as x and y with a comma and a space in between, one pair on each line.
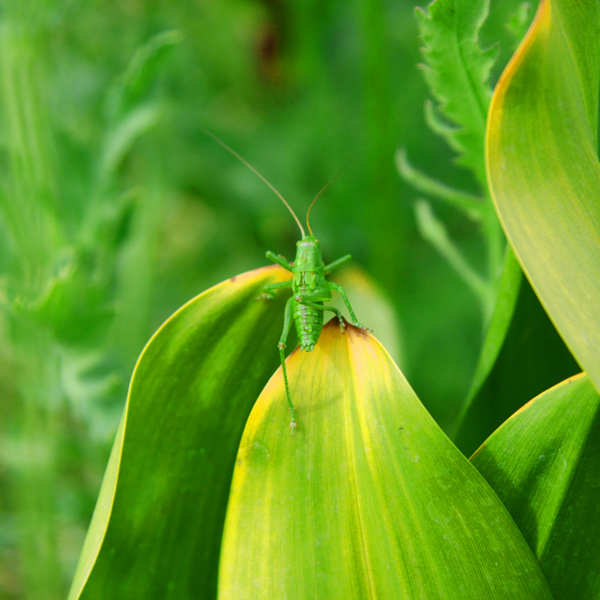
287, 323
268, 290
337, 263
322, 307
279, 260
338, 288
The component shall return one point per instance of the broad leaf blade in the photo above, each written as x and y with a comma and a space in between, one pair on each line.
544, 172
544, 464
369, 498
158, 523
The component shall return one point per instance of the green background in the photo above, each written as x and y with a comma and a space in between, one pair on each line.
117, 208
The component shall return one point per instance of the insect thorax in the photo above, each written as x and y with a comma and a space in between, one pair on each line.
308, 254
308, 266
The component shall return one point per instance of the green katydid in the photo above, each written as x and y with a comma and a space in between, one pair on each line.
310, 288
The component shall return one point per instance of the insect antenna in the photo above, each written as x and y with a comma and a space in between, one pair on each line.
219, 141
323, 189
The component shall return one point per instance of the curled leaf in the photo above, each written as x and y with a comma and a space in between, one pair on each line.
544, 171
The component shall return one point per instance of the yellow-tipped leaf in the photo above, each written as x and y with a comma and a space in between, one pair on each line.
369, 498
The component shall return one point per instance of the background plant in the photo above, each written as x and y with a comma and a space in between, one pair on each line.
117, 209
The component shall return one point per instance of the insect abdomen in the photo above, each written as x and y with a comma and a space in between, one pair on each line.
309, 323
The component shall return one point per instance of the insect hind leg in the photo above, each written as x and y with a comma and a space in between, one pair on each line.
287, 322
338, 288
338, 314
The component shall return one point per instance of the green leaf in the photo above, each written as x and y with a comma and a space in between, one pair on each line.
434, 231
132, 86
158, 522
504, 308
544, 171
75, 306
457, 72
121, 137
472, 206
130, 108
369, 498
544, 464
519, 21
516, 364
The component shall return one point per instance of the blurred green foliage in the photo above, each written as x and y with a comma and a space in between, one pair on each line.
115, 209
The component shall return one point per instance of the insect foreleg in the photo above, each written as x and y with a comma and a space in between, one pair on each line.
279, 260
269, 290
338, 288
337, 263
287, 323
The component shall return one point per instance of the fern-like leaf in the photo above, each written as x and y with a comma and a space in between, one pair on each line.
457, 71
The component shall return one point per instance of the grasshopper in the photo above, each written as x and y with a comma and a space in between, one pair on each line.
310, 288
